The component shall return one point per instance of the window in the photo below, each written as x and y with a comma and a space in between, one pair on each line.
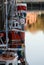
25, 14
42, 4
28, 5
13, 24
16, 24
20, 14
35, 6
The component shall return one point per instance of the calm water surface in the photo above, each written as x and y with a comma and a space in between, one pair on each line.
34, 43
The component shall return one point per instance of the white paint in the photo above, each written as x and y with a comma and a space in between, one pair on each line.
22, 4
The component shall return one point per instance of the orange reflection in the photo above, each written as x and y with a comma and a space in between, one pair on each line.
31, 17
34, 21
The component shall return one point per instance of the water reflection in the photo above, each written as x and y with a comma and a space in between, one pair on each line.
34, 21
34, 48
34, 42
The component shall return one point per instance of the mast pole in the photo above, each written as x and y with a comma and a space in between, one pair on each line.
6, 26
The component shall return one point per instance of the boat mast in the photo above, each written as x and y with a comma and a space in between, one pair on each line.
6, 25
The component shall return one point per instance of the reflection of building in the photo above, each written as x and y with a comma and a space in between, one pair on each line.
36, 22
35, 5
31, 17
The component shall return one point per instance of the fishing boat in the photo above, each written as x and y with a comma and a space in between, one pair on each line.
12, 39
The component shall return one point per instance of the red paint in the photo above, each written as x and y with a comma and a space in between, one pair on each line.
21, 7
12, 35
15, 36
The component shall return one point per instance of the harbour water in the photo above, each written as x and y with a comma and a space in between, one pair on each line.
34, 50
34, 38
